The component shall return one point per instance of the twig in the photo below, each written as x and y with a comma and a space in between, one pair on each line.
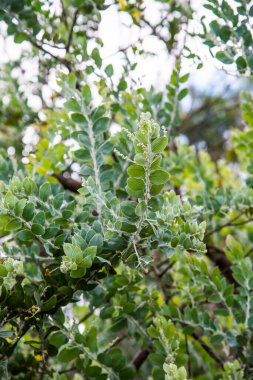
188, 354
88, 315
209, 350
71, 30
118, 340
64, 14
162, 273
67, 370
229, 223
218, 257
63, 61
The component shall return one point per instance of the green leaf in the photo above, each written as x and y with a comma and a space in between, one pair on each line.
136, 171
49, 304
72, 251
122, 86
50, 232
98, 112
184, 78
91, 339
140, 159
78, 273
136, 184
250, 61
174, 241
241, 64
9, 200
217, 339
183, 93
128, 208
159, 144
24, 235
235, 249
13, 225
45, 191
58, 339
215, 27
187, 243
96, 56
242, 10
86, 94
96, 240
156, 359
106, 312
20, 37
29, 186
90, 252
156, 189
101, 125
19, 207
113, 358
140, 208
109, 70
225, 33
58, 200
72, 105
28, 211
156, 163
228, 11
72, 81
135, 193
37, 229
159, 177
79, 118
68, 353
93, 371
128, 227
83, 154
224, 57
3, 271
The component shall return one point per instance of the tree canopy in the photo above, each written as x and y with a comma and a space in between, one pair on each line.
126, 228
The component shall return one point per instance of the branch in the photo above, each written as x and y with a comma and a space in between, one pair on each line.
218, 257
67, 182
63, 61
155, 33
23, 331
140, 358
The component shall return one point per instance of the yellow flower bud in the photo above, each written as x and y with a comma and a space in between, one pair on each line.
38, 358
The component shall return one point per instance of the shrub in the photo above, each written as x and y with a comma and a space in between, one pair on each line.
125, 254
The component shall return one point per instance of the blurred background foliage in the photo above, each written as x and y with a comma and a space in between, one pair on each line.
54, 35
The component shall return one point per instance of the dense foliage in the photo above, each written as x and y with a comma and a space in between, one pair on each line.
126, 253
